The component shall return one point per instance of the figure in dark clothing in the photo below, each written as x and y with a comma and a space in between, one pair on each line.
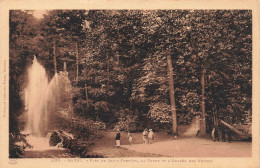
216, 134
229, 135
118, 138
223, 135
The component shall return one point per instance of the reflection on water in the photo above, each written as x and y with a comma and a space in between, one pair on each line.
40, 143
41, 149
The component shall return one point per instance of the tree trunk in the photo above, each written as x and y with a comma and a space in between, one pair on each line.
203, 118
215, 116
172, 97
86, 89
108, 72
54, 57
86, 92
232, 128
77, 62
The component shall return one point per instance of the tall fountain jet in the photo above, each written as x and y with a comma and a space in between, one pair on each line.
35, 98
45, 101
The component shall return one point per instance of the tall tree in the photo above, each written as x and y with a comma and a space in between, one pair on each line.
172, 96
22, 48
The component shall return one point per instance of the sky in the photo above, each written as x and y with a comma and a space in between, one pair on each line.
39, 13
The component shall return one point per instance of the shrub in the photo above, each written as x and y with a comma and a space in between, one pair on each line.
160, 113
128, 123
99, 125
17, 145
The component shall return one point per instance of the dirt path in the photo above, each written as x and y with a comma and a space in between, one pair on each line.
167, 146
195, 147
106, 147
164, 146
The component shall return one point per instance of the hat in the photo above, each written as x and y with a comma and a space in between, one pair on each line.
150, 129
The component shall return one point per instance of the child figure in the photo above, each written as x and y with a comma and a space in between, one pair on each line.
150, 136
145, 136
213, 134
130, 138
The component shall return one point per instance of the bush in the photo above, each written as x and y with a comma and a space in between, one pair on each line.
160, 113
185, 119
80, 127
128, 123
99, 125
87, 129
17, 145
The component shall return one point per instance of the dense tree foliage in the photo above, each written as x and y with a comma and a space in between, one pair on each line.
117, 62
22, 48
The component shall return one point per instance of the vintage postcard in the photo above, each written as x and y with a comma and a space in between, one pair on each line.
142, 83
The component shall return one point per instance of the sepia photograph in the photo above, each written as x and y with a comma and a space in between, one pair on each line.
130, 85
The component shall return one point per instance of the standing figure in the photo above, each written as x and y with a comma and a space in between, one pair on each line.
117, 138
150, 136
213, 134
216, 134
145, 136
130, 138
224, 135
229, 135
